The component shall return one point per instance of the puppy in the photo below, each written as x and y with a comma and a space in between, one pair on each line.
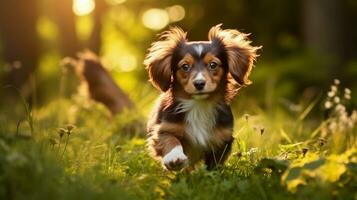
192, 119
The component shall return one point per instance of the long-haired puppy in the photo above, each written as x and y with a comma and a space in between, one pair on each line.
192, 120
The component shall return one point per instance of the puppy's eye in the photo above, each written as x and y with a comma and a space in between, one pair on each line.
185, 68
212, 65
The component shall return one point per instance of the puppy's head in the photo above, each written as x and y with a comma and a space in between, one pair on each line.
200, 68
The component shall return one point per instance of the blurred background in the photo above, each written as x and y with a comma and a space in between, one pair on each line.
306, 44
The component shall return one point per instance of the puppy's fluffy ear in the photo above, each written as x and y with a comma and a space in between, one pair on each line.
240, 54
158, 59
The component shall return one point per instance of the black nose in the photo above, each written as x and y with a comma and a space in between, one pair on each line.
199, 84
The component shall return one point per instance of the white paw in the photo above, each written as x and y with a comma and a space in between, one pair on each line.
175, 159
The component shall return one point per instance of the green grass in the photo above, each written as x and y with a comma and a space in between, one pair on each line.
276, 155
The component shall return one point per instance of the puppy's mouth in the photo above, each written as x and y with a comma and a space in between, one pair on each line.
200, 95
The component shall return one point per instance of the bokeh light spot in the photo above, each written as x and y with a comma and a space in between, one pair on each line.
47, 29
155, 18
176, 13
84, 27
127, 63
115, 2
83, 7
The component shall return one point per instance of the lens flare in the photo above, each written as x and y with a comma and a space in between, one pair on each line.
83, 7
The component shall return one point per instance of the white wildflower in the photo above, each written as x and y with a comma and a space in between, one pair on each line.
334, 88
344, 118
347, 96
332, 126
354, 116
340, 120
350, 124
336, 99
252, 150
331, 94
340, 108
347, 91
328, 104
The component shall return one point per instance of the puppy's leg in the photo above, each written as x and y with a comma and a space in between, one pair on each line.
169, 148
217, 156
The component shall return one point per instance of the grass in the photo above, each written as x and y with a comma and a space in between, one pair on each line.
71, 149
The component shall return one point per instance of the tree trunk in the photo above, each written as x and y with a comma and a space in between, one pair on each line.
18, 20
95, 40
66, 22
323, 31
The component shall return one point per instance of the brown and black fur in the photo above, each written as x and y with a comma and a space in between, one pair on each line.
223, 63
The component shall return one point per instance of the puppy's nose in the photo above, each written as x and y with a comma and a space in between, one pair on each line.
199, 84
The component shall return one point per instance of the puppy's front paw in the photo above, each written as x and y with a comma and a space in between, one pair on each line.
175, 159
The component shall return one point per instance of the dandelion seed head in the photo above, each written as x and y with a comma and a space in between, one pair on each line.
61, 132
70, 127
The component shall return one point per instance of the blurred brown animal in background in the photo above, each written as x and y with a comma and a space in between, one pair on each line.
100, 85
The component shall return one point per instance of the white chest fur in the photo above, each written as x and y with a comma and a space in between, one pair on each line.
200, 119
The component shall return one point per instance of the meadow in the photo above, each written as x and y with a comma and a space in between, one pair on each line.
72, 149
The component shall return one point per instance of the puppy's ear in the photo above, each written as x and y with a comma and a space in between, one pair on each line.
240, 54
158, 59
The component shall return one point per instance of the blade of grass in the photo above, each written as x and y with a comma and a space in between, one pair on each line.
285, 136
308, 109
318, 129
28, 109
